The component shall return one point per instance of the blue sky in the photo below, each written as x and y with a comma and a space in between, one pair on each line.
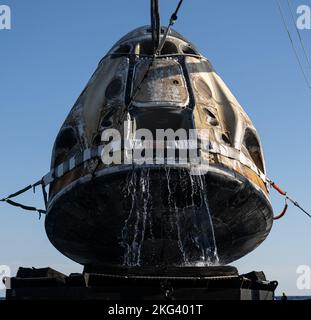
54, 47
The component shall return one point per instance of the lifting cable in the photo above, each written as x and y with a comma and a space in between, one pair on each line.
299, 34
155, 24
306, 78
156, 31
287, 198
137, 91
173, 20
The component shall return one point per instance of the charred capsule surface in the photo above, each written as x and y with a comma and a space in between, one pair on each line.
90, 213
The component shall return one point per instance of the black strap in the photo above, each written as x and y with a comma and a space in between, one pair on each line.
155, 24
13, 195
45, 195
22, 206
25, 207
173, 19
175, 14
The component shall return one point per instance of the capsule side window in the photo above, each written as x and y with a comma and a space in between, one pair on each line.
124, 49
146, 48
65, 143
169, 48
252, 144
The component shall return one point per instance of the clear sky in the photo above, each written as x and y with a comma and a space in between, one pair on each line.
54, 47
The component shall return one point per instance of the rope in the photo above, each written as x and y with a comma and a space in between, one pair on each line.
299, 34
26, 207
293, 45
173, 20
287, 198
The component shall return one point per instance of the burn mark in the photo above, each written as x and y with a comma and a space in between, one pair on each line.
203, 88
114, 88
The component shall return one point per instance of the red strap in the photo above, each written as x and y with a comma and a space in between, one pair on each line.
282, 214
278, 189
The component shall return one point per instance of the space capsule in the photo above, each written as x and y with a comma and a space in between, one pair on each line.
157, 215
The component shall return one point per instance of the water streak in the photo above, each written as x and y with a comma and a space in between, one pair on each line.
133, 233
190, 223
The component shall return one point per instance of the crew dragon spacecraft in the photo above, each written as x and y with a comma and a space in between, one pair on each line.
157, 215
